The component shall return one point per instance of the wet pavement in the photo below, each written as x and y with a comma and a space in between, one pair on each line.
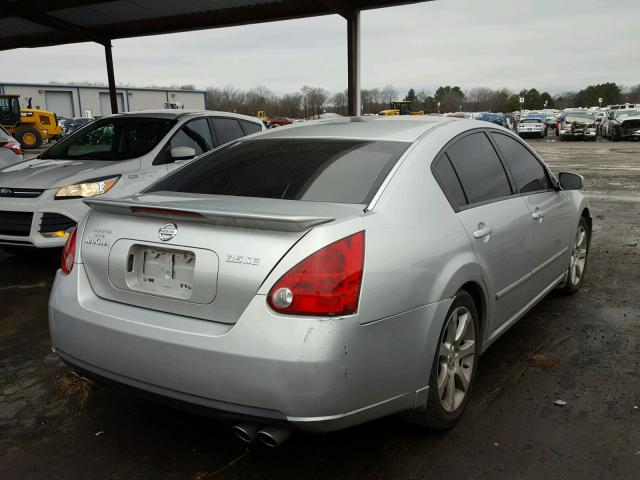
582, 349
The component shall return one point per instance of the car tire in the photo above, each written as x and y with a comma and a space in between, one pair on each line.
28, 136
579, 257
446, 404
615, 135
562, 138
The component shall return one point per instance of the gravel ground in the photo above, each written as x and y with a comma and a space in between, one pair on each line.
582, 349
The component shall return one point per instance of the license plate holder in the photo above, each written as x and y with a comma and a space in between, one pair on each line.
161, 271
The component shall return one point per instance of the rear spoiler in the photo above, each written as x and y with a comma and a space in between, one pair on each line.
210, 215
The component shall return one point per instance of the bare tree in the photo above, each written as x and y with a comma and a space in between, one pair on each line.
315, 98
340, 101
633, 95
291, 105
389, 94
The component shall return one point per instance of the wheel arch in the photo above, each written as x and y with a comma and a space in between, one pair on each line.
587, 216
476, 291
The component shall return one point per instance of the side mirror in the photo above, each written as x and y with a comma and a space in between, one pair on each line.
571, 181
182, 153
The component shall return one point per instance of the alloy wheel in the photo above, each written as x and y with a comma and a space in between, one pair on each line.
456, 359
578, 256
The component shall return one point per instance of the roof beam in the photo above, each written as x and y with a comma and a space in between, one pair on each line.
32, 13
227, 17
341, 7
9, 9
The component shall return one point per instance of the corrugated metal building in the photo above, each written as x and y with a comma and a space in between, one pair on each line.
69, 101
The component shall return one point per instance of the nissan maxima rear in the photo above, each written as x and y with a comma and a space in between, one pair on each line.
319, 276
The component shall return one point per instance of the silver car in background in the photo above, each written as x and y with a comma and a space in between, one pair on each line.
117, 155
319, 276
533, 127
10, 149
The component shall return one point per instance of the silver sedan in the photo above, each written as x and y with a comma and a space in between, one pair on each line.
323, 275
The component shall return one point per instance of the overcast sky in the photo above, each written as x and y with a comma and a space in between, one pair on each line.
556, 45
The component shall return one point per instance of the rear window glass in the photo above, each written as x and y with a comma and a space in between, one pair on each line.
319, 170
112, 138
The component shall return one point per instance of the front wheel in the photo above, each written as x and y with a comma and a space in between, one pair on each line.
615, 135
578, 260
28, 136
454, 367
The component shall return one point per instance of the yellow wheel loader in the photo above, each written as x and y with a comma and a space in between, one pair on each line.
30, 126
401, 107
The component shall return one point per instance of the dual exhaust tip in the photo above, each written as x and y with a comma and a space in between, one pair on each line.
270, 436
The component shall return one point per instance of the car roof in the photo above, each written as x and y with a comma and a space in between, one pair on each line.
390, 128
171, 114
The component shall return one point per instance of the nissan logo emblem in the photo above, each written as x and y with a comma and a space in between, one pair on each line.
168, 231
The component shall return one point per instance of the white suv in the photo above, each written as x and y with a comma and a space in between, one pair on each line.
114, 156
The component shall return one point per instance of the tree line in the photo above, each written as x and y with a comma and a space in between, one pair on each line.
312, 101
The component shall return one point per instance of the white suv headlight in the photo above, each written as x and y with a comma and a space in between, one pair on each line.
87, 189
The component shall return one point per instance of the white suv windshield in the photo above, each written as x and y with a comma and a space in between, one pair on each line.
112, 138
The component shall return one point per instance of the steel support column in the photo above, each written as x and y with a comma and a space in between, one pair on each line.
112, 80
354, 60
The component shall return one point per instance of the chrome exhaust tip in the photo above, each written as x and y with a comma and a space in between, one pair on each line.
272, 437
247, 432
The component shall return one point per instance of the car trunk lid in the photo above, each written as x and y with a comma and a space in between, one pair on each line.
201, 256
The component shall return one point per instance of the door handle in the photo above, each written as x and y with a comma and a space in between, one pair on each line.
483, 231
538, 214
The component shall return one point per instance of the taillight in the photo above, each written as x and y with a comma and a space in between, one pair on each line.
325, 283
15, 146
69, 253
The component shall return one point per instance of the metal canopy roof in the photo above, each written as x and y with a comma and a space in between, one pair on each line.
39, 23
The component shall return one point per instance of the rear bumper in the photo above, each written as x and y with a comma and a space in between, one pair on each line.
532, 132
569, 133
315, 374
74, 209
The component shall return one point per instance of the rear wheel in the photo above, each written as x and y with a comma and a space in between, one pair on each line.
578, 260
28, 136
454, 367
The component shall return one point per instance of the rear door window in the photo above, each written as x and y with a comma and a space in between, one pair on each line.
321, 170
194, 134
527, 171
250, 127
479, 169
227, 129
449, 182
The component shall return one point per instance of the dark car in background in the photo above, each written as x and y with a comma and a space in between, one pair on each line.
497, 118
578, 125
70, 125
